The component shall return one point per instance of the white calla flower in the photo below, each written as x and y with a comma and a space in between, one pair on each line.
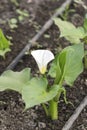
42, 57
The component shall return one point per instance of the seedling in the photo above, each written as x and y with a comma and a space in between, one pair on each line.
66, 66
73, 34
22, 14
4, 45
64, 16
70, 32
13, 23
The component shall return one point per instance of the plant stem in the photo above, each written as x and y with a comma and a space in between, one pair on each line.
53, 109
53, 106
45, 109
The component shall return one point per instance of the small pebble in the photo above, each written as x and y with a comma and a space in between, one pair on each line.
86, 82
41, 125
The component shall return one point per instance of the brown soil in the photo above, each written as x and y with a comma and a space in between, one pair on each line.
12, 116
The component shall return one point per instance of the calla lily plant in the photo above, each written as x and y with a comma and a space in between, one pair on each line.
65, 67
61, 70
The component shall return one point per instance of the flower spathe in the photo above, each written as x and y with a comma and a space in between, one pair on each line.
42, 57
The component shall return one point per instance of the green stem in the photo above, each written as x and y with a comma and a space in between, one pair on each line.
53, 109
45, 109
56, 98
53, 106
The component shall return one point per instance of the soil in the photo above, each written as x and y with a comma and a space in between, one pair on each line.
12, 116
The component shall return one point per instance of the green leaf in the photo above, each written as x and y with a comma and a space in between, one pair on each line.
69, 31
35, 92
14, 80
4, 44
13, 23
22, 12
55, 70
73, 66
68, 64
54, 67
3, 52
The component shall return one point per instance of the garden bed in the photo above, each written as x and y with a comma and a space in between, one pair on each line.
12, 116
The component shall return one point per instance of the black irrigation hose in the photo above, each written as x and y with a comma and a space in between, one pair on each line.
46, 26
75, 115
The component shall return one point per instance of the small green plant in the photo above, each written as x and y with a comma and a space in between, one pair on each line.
22, 14
4, 44
13, 23
64, 16
72, 34
66, 67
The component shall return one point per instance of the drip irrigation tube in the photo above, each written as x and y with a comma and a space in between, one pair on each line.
46, 26
75, 115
